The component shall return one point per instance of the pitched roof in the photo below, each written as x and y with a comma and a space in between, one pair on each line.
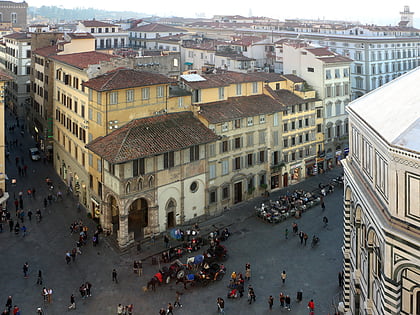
288, 98
152, 136
224, 78
123, 78
239, 107
155, 27
233, 56
18, 35
94, 23
327, 56
294, 78
77, 35
84, 59
47, 51
5, 77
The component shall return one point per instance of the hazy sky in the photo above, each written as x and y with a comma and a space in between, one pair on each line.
366, 11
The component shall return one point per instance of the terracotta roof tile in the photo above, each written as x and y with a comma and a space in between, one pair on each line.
294, 78
18, 35
239, 107
123, 78
288, 98
83, 60
224, 78
77, 35
152, 136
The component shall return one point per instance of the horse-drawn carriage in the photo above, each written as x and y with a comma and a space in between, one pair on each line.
176, 270
209, 273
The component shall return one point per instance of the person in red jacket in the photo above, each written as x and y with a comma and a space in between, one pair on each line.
311, 305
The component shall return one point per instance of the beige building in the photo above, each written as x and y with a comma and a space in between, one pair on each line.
382, 203
328, 73
155, 174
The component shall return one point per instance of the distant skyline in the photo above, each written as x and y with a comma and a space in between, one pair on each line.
365, 11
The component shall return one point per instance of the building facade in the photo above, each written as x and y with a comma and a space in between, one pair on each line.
18, 66
155, 174
4, 149
329, 74
107, 35
14, 12
381, 201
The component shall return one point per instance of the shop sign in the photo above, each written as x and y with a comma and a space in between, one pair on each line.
311, 161
298, 165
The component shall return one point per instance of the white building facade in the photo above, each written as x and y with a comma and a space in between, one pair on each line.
381, 201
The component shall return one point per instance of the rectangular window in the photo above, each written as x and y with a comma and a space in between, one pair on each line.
285, 143
225, 126
99, 98
300, 123
237, 163
276, 138
250, 121
285, 127
90, 157
138, 167
194, 153
212, 171
261, 137
306, 122
99, 118
237, 123
250, 159
310, 69
145, 93
261, 156
180, 102
275, 119
346, 72
129, 95
168, 160
254, 87
99, 165
225, 146
212, 149
225, 192
327, 74
90, 113
237, 143
318, 113
221, 93
213, 196
239, 89
250, 139
337, 73
225, 167
262, 119
293, 125
113, 98
159, 91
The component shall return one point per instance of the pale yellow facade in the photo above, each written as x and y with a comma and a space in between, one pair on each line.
3, 147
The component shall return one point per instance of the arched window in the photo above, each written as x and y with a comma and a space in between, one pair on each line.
151, 181
127, 188
140, 184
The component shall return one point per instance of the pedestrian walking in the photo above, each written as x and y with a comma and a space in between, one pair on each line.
169, 309
88, 287
287, 301
9, 303
323, 205
177, 302
220, 305
120, 309
82, 291
45, 294
311, 305
295, 228
286, 233
130, 309
270, 302
247, 271
50, 292
68, 257
11, 225
325, 220
25, 269
301, 236
29, 215
281, 298
16, 310
72, 303
24, 230
114, 276
162, 311
166, 241
39, 280
340, 279
305, 237
283, 276
251, 294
